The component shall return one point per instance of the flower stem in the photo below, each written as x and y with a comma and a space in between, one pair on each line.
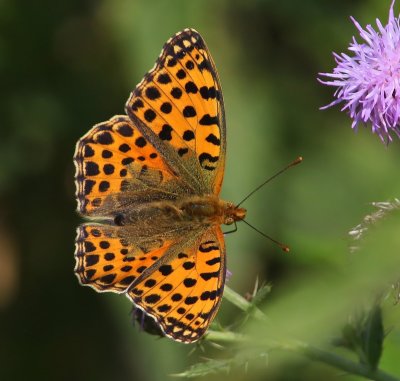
226, 337
243, 304
344, 364
302, 348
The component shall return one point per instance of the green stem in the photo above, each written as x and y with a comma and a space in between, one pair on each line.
344, 364
226, 337
304, 349
243, 304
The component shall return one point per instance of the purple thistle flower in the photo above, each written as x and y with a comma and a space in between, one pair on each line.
368, 82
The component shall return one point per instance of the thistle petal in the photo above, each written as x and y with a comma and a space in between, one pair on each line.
367, 81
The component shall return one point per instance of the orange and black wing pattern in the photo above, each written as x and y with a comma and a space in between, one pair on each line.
183, 295
133, 173
111, 159
178, 106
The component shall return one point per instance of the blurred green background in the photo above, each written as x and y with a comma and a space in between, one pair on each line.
66, 66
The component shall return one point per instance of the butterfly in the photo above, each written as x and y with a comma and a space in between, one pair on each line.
148, 183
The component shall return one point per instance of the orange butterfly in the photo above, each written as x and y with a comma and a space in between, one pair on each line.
149, 184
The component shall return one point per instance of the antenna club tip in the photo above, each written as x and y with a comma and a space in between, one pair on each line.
298, 160
286, 249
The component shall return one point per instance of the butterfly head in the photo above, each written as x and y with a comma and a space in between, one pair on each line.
233, 213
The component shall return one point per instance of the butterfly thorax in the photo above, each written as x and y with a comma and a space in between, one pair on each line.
210, 209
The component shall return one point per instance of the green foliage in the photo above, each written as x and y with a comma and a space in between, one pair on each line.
364, 335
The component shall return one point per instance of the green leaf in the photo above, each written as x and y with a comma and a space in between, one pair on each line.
205, 368
372, 337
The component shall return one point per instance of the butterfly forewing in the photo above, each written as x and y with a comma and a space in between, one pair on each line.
110, 159
178, 106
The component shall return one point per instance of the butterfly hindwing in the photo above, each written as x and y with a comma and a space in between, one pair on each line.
178, 106
107, 261
183, 295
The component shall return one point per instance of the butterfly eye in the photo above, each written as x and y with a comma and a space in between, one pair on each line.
229, 221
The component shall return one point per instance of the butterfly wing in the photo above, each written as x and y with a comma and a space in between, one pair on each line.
172, 145
116, 167
107, 260
179, 108
183, 295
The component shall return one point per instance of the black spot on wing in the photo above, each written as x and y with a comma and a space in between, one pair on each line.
189, 282
182, 151
109, 256
176, 92
106, 154
181, 74
108, 279
191, 300
210, 275
128, 280
136, 105
152, 93
108, 169
165, 270
166, 287
213, 261
125, 129
191, 87
188, 135
88, 151
104, 138
189, 112
166, 107
140, 142
127, 160
89, 247
150, 283
108, 268
211, 138
164, 79
153, 298
92, 259
189, 65
88, 186
208, 120
188, 265
206, 159
91, 169
149, 115
176, 297
164, 308
104, 186
165, 133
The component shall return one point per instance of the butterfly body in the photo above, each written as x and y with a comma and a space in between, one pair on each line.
207, 210
149, 184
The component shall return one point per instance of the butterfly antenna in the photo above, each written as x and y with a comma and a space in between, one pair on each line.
298, 160
280, 244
